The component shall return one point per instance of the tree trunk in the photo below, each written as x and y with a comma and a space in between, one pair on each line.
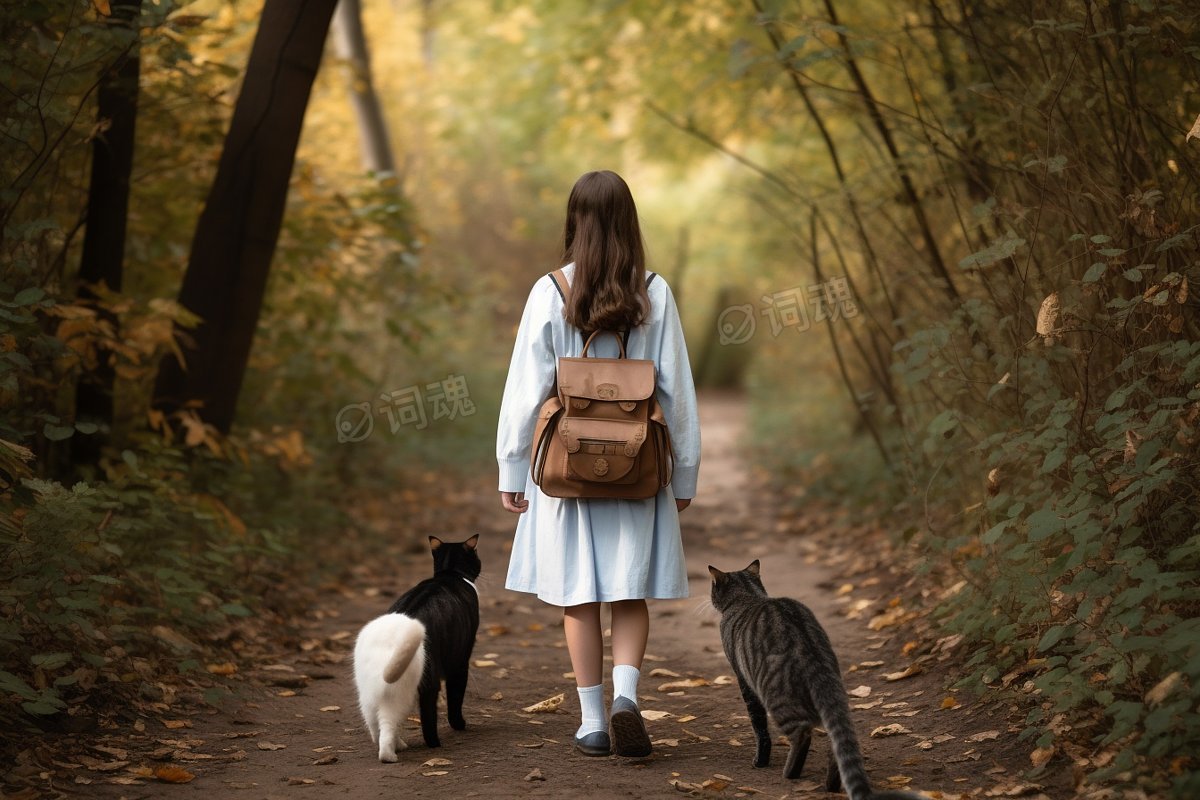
350, 44
238, 229
107, 212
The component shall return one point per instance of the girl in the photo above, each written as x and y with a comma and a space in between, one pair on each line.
579, 553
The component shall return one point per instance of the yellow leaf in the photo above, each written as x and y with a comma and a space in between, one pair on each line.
1047, 318
686, 683
1041, 755
949, 702
1163, 688
169, 774
1195, 131
103, 8
227, 668
546, 706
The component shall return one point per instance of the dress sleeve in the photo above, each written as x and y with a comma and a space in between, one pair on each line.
677, 396
530, 382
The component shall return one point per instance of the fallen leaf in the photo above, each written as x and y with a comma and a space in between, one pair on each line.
331, 708
912, 669
984, 736
1163, 689
722, 680
686, 683
1014, 790
437, 762
655, 715
1041, 755
532, 746
535, 775
895, 729
687, 718
265, 745
1195, 131
666, 742
484, 662
325, 761
169, 774
661, 672
950, 702
96, 765
497, 696
735, 743
547, 705
176, 724
227, 668
714, 785
435, 772
860, 691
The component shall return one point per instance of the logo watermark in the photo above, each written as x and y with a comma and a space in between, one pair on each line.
448, 398
789, 308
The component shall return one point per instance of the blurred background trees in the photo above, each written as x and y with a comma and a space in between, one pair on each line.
975, 221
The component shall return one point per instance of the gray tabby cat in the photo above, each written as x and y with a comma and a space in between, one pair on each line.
785, 664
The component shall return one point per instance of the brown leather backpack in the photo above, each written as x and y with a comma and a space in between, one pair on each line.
603, 434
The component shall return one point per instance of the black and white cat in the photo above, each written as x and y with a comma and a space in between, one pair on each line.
785, 665
448, 605
425, 637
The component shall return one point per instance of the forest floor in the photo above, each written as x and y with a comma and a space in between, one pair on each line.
292, 728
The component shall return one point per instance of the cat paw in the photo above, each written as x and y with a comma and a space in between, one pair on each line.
388, 758
432, 742
458, 724
762, 760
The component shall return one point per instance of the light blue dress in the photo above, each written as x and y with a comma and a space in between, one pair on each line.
569, 551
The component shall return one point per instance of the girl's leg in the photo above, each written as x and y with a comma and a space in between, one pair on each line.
630, 629
585, 643
582, 627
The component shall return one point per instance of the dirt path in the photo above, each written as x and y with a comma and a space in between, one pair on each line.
303, 738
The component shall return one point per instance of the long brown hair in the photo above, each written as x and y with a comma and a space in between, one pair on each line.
603, 238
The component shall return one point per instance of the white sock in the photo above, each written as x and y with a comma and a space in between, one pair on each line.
625, 681
591, 703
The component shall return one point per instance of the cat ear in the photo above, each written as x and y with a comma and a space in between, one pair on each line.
753, 568
434, 543
717, 575
470, 543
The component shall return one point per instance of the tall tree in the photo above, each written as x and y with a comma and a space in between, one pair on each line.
236, 236
350, 44
107, 209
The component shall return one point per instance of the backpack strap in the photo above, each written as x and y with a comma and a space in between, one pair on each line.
564, 291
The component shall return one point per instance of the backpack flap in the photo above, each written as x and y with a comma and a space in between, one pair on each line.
602, 450
620, 381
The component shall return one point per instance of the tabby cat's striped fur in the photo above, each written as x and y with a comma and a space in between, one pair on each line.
785, 665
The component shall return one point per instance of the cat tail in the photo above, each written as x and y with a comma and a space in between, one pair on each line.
411, 641
829, 696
